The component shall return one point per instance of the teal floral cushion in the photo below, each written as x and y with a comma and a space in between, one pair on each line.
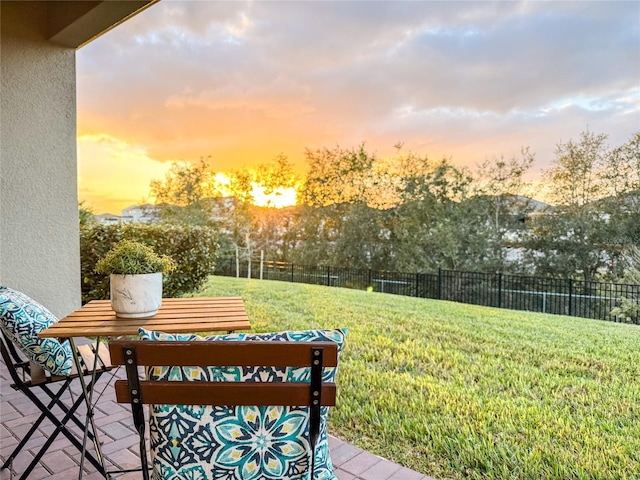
244, 442
21, 319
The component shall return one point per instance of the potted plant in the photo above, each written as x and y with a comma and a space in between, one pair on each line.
135, 271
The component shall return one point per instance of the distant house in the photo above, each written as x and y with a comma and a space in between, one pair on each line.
146, 213
220, 209
108, 218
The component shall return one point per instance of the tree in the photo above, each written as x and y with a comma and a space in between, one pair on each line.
253, 228
629, 308
340, 221
573, 238
621, 178
275, 180
575, 180
85, 214
502, 194
621, 169
567, 243
363, 240
184, 196
337, 176
437, 224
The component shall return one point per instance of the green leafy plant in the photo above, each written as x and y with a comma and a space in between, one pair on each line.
129, 257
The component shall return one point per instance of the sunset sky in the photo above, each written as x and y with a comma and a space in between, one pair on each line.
243, 81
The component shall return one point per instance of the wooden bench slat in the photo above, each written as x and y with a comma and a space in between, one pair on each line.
221, 354
226, 393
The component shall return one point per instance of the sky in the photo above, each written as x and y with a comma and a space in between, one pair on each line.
241, 82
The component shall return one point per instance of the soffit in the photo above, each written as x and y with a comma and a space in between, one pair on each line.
74, 24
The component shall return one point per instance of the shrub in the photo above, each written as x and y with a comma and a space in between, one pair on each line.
193, 249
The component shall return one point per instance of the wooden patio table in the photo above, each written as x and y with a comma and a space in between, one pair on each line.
176, 315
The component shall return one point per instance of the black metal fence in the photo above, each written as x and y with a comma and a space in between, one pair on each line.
517, 292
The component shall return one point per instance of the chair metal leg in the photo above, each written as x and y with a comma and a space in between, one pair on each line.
143, 458
65, 409
131, 367
54, 400
60, 428
87, 396
13, 361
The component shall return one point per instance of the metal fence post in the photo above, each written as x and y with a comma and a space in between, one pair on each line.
499, 290
570, 297
439, 284
328, 276
291, 272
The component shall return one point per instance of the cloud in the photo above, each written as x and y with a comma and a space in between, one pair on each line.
245, 80
114, 174
281, 97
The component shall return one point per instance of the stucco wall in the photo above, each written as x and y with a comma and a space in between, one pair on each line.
39, 240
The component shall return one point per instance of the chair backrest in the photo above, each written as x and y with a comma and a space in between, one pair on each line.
313, 394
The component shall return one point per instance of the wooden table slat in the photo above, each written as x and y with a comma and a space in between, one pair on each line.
108, 331
187, 301
105, 305
104, 316
149, 325
97, 321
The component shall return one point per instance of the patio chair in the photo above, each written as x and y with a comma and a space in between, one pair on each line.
49, 366
236, 420
30, 378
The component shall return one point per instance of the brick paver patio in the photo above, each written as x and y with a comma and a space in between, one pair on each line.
120, 443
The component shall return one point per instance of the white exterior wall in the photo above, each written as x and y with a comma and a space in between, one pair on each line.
39, 237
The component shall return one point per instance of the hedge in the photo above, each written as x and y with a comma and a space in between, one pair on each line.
192, 248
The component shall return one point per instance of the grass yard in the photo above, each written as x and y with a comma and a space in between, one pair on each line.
458, 391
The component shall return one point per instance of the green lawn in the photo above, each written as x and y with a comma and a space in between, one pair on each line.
459, 391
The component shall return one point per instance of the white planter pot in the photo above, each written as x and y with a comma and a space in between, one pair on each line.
136, 296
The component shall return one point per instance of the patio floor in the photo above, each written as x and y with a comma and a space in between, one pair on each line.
120, 443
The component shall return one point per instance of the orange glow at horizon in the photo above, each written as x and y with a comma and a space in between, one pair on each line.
280, 197
223, 184
114, 175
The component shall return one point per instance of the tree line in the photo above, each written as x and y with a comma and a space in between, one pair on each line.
413, 214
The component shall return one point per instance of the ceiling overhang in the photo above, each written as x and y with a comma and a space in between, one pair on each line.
74, 24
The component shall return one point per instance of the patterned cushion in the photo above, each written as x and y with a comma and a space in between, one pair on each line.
21, 319
243, 442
